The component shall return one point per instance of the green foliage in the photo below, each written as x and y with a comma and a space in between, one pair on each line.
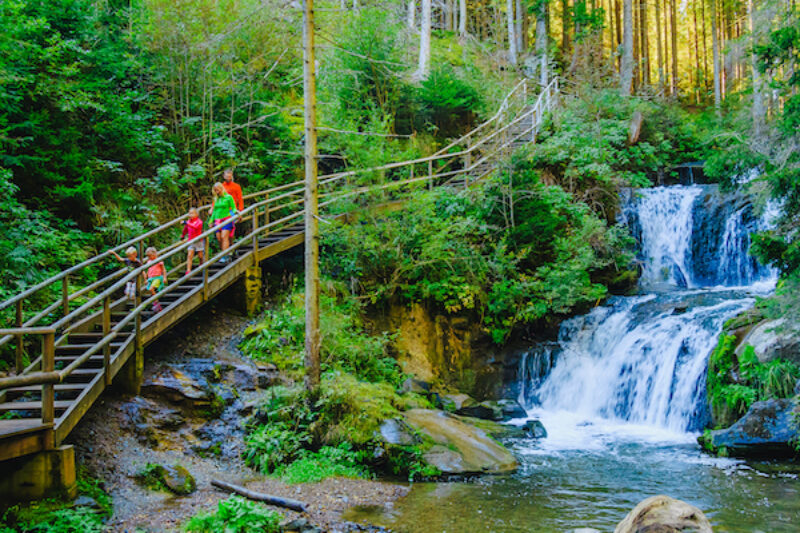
236, 515
280, 338
587, 152
274, 444
58, 516
329, 461
152, 477
735, 382
448, 102
468, 252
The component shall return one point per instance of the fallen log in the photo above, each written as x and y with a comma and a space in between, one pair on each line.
288, 503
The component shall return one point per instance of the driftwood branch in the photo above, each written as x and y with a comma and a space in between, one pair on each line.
288, 503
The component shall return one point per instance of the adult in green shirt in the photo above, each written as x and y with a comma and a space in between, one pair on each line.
223, 208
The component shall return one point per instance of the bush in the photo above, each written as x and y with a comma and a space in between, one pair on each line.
236, 515
329, 461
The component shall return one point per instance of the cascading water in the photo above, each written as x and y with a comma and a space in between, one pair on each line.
642, 359
622, 389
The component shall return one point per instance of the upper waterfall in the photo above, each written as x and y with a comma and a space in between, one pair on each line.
643, 359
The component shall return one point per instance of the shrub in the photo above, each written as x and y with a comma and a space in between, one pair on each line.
236, 515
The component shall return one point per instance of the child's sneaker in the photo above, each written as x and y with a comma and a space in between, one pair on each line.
157, 307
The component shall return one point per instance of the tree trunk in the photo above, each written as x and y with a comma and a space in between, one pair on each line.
715, 52
674, 36
462, 18
659, 50
618, 28
541, 41
312, 343
759, 111
626, 64
424, 42
697, 69
645, 45
512, 33
566, 24
412, 13
518, 17
637, 58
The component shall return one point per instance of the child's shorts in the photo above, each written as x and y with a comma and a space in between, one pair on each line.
198, 247
155, 283
130, 289
228, 226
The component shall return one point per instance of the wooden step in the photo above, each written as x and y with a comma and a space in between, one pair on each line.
80, 348
62, 390
15, 427
60, 405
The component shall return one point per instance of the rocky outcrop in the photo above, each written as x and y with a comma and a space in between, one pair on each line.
774, 339
460, 447
662, 514
768, 427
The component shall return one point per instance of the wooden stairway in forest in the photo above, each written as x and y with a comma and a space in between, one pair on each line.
91, 335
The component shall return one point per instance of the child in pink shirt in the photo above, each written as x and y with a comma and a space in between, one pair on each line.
193, 228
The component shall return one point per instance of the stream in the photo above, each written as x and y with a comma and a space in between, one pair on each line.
622, 394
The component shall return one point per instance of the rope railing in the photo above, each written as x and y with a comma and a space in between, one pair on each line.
102, 303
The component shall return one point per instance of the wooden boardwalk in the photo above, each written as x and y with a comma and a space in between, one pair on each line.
92, 336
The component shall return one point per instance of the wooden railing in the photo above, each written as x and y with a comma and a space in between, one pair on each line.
465, 158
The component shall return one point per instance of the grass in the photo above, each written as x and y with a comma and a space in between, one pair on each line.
236, 515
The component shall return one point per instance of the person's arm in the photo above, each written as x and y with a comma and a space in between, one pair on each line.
116, 255
211, 209
185, 229
163, 271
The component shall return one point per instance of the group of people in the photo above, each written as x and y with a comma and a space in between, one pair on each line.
227, 203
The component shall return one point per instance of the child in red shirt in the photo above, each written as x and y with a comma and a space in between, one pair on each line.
193, 228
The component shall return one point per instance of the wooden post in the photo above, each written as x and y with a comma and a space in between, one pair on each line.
20, 339
65, 294
205, 270
107, 347
312, 344
255, 236
266, 217
48, 365
430, 174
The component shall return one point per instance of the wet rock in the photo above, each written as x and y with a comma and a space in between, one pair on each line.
177, 387
177, 479
511, 409
150, 421
416, 385
774, 339
205, 369
680, 309
767, 428
534, 428
244, 377
662, 514
797, 388
86, 501
396, 431
268, 375
485, 410
454, 402
476, 451
299, 525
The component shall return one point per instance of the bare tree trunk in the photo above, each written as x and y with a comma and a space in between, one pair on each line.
659, 50
715, 51
697, 69
637, 39
312, 343
759, 111
462, 18
424, 42
412, 13
626, 65
645, 45
674, 36
618, 28
541, 41
512, 34
566, 24
518, 18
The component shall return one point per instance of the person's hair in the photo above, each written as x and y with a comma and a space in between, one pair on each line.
227, 171
131, 250
216, 186
192, 209
151, 249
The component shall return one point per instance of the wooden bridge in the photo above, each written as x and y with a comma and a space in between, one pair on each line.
93, 335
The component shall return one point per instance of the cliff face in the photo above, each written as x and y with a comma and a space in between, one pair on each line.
447, 349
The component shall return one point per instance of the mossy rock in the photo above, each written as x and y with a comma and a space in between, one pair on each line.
174, 478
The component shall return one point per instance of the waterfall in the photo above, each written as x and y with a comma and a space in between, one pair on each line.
642, 359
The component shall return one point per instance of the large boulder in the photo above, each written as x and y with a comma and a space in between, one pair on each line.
774, 339
511, 409
662, 514
768, 427
462, 448
178, 387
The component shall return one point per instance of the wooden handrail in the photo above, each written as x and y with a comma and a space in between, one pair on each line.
285, 200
